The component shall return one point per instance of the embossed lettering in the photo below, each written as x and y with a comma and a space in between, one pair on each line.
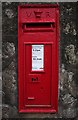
28, 14
47, 14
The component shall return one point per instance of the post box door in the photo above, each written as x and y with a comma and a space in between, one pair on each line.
38, 75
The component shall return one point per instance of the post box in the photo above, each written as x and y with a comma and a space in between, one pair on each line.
38, 36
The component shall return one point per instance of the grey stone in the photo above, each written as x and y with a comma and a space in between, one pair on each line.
0, 85
8, 3
9, 111
1, 111
9, 13
72, 88
74, 32
69, 113
63, 79
10, 39
67, 28
70, 54
3, 97
5, 111
68, 62
9, 84
8, 54
0, 97
68, 99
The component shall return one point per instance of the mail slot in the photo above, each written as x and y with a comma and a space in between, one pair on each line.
38, 36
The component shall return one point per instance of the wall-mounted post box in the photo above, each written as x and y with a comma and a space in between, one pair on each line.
38, 27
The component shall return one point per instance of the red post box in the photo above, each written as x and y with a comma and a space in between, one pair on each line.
38, 28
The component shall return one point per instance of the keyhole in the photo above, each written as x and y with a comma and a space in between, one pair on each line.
32, 79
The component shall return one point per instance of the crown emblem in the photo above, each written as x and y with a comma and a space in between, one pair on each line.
38, 13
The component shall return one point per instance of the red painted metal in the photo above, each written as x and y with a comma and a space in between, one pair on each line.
38, 25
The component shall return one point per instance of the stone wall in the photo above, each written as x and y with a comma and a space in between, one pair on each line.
68, 59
